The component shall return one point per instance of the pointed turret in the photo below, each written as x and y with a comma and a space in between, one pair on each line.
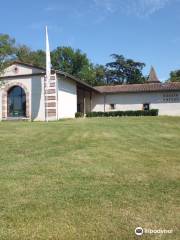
152, 78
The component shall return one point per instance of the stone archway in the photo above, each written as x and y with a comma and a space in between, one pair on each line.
7, 88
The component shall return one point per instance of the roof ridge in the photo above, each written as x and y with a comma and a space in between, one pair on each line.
26, 64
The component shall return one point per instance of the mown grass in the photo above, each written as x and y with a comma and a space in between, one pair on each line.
89, 178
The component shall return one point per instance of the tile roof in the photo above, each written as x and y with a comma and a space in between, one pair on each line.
146, 87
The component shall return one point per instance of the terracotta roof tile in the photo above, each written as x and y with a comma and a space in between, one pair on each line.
146, 87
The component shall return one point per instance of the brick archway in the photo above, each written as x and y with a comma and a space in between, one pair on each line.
6, 89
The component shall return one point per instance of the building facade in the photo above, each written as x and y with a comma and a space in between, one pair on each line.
24, 94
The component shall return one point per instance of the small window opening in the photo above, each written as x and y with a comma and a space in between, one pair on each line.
146, 106
112, 106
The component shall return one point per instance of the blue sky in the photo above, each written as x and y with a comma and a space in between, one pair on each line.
144, 30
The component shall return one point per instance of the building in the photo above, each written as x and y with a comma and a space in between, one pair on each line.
150, 95
24, 95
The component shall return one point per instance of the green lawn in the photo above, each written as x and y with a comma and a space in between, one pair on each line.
89, 178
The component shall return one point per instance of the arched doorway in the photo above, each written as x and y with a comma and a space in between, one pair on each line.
16, 106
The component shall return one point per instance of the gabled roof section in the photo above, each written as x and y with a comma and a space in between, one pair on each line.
19, 69
153, 76
28, 65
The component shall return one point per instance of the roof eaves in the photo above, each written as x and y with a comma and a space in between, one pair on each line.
27, 65
134, 88
22, 75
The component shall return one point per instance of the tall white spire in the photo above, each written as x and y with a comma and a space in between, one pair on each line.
48, 59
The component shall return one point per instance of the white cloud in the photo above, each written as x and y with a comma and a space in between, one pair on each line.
107, 5
146, 7
141, 8
53, 8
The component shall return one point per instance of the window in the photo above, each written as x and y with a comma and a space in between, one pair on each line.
112, 106
146, 106
171, 97
16, 102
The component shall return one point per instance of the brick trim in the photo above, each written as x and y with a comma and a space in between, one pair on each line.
51, 99
7, 87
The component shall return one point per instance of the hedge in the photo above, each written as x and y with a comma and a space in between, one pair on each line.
152, 112
79, 114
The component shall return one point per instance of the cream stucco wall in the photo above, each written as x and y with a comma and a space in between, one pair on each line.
35, 88
37, 98
20, 70
67, 98
25, 81
134, 101
34, 85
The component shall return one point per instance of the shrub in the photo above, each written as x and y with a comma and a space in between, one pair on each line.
79, 114
152, 112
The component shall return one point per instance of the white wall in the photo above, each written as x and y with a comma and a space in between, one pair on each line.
35, 87
21, 70
134, 101
67, 98
98, 102
37, 98
26, 81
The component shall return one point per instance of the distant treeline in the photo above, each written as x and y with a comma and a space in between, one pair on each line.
119, 70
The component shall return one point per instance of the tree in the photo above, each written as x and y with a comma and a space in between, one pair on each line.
7, 50
69, 60
25, 54
100, 71
175, 76
88, 75
74, 62
123, 70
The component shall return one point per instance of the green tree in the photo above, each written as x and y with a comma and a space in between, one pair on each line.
175, 76
100, 71
7, 50
69, 60
124, 71
65, 59
88, 75
25, 54
76, 63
